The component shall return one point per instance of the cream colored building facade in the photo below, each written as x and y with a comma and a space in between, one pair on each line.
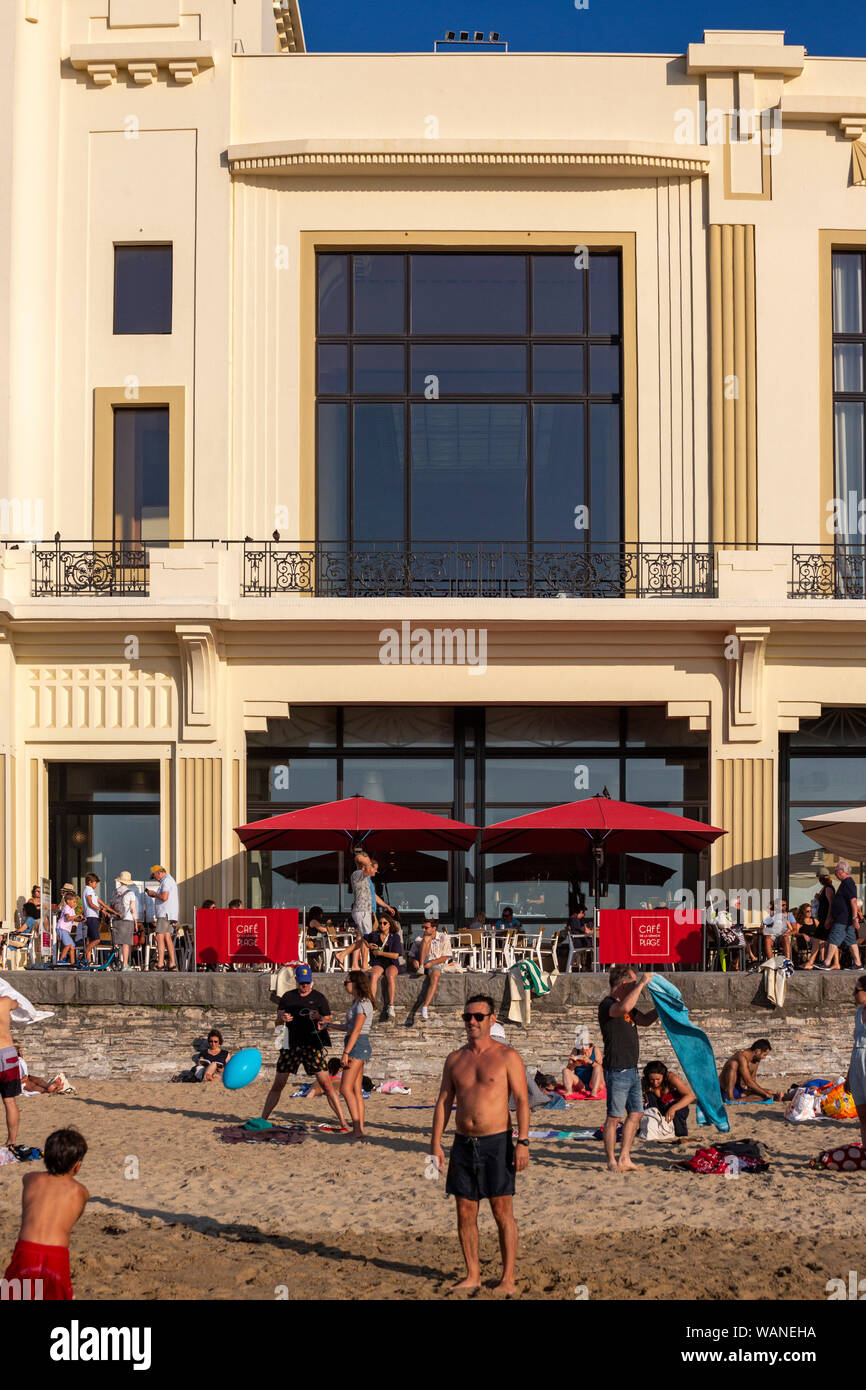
207, 127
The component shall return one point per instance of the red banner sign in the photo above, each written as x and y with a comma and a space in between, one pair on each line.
650, 936
234, 937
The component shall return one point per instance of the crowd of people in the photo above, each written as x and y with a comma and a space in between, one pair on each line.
482, 1082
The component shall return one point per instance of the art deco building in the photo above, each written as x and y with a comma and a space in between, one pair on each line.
474, 430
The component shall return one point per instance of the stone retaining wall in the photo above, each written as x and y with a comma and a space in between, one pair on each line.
115, 1025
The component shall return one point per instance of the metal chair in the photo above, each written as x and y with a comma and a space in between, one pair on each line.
466, 945
527, 947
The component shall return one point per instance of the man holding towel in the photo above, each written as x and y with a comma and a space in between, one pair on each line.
619, 1019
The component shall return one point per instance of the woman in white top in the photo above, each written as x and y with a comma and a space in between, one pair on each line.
357, 1049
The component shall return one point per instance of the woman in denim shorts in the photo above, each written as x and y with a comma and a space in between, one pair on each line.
357, 1049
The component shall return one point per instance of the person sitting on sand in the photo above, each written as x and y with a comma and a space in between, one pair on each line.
582, 1074
51, 1203
665, 1091
211, 1060
739, 1076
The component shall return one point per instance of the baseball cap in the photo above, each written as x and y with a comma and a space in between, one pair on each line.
303, 974
156, 869
498, 1032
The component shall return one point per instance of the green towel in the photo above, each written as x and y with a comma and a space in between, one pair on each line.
258, 1124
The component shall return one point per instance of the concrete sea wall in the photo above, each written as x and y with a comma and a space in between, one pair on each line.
144, 1026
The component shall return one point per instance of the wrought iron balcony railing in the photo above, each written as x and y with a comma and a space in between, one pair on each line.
479, 570
88, 569
830, 573
451, 569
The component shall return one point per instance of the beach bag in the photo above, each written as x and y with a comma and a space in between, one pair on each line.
655, 1125
847, 1159
803, 1105
838, 1104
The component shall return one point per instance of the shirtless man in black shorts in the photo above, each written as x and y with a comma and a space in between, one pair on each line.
481, 1076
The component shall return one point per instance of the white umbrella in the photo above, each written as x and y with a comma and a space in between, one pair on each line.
841, 832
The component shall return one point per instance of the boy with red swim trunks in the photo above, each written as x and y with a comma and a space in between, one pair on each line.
51, 1203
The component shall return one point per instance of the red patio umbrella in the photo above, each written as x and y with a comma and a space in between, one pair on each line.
578, 867
602, 826
407, 866
337, 825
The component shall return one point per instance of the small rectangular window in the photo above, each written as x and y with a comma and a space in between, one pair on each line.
142, 289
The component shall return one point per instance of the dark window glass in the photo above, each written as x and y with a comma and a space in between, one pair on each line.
333, 294
472, 454
849, 390
603, 369
142, 289
558, 292
554, 727
558, 369
468, 472
548, 781
666, 779
468, 369
559, 474
398, 726
379, 294
333, 369
141, 474
308, 726
605, 479
604, 294
332, 492
378, 445
379, 369
649, 727
841, 778
461, 294
406, 781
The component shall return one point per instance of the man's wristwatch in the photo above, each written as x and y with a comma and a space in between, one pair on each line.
523, 1141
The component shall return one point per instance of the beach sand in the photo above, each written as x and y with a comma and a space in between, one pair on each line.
175, 1214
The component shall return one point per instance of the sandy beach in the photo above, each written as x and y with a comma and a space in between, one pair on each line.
176, 1214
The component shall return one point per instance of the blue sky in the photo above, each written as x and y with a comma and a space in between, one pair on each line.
834, 28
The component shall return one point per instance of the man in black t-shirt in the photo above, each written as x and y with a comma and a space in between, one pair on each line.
844, 919
306, 1014
619, 1020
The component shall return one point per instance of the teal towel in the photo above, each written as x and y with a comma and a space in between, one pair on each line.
694, 1052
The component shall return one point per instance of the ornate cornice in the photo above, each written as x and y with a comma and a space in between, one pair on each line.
544, 158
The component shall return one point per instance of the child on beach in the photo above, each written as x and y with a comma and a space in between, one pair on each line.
67, 922
51, 1203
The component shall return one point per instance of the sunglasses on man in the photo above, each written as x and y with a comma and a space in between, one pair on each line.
475, 1018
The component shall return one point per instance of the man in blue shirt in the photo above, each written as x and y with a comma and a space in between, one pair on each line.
508, 921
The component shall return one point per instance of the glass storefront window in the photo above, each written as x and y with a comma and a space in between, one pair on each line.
548, 781
526, 759
413, 726
103, 818
552, 726
666, 779
408, 781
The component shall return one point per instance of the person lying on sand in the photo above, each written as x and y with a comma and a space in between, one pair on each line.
739, 1076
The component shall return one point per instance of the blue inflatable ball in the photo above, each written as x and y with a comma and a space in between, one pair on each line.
242, 1068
